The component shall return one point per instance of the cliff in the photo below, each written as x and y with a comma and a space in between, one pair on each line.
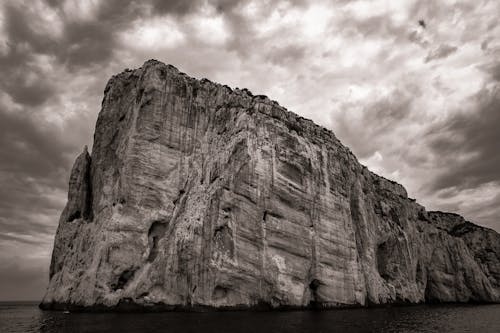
197, 195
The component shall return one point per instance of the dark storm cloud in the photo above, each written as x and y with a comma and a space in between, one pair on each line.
19, 30
93, 41
28, 93
36, 158
24, 140
82, 43
20, 79
469, 144
87, 44
34, 166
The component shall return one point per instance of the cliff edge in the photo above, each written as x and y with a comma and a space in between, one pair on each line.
197, 195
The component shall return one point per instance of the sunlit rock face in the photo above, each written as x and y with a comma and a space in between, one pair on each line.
197, 195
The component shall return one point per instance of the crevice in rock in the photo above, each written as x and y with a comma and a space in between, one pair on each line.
120, 201
219, 292
461, 229
422, 215
428, 292
88, 213
223, 239
213, 178
238, 152
383, 253
176, 200
140, 92
219, 230
291, 171
75, 215
419, 274
313, 287
267, 214
123, 279
155, 234
395, 217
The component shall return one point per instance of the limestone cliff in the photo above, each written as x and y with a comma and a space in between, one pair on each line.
197, 195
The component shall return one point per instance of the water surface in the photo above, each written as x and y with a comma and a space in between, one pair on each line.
26, 317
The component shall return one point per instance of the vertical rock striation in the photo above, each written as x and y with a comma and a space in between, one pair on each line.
197, 195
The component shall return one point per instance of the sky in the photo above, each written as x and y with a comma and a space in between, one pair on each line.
412, 87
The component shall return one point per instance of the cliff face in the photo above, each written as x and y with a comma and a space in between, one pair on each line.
199, 195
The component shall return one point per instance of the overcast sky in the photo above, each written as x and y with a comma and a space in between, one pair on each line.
412, 87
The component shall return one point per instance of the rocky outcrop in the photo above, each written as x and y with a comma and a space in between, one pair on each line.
197, 195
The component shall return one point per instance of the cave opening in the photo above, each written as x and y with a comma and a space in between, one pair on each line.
313, 287
124, 278
155, 234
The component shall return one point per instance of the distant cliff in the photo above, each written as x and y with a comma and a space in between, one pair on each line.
197, 195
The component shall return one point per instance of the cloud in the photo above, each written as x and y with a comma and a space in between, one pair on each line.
177, 7
375, 121
24, 139
286, 54
492, 69
468, 143
21, 79
442, 51
36, 159
486, 212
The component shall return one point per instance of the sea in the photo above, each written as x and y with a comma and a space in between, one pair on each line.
26, 317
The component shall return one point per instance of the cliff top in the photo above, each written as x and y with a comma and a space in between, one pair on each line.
291, 119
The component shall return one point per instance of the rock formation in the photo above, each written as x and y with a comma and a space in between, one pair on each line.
197, 195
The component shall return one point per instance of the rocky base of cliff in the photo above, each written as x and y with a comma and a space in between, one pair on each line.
129, 305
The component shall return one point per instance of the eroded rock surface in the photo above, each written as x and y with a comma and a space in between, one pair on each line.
199, 195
